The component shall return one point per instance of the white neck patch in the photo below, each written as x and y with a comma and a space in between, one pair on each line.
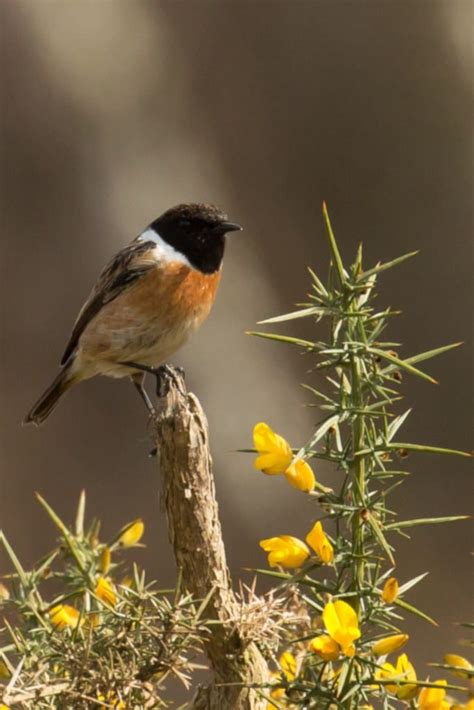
163, 251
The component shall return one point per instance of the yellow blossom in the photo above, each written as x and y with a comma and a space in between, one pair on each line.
300, 475
402, 671
275, 453
287, 663
468, 706
4, 707
325, 647
132, 533
433, 698
4, 672
317, 539
105, 591
276, 693
452, 659
105, 560
111, 700
389, 644
275, 456
63, 615
285, 551
342, 625
390, 590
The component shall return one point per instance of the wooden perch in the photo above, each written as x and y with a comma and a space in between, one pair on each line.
196, 535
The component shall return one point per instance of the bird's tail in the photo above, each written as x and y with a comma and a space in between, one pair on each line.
49, 399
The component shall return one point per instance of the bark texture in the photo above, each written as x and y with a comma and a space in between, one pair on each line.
195, 533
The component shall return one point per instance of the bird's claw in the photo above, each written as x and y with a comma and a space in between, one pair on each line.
167, 375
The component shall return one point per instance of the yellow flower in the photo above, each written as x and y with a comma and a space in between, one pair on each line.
63, 615
389, 644
454, 660
287, 664
4, 672
275, 456
105, 591
342, 625
110, 700
300, 475
285, 550
433, 698
105, 560
468, 706
277, 693
4, 707
132, 533
403, 671
317, 539
390, 590
325, 647
275, 452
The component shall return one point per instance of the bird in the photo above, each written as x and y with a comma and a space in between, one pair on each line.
148, 300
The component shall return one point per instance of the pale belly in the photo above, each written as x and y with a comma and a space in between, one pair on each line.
149, 345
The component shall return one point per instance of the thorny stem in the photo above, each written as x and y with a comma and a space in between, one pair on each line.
358, 473
355, 331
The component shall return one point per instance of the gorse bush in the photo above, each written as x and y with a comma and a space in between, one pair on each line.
106, 638
82, 630
347, 581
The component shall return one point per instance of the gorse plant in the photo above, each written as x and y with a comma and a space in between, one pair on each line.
354, 600
83, 631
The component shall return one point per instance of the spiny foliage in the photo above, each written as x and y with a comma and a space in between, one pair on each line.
82, 631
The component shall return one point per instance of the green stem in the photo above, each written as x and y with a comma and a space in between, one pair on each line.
358, 492
358, 489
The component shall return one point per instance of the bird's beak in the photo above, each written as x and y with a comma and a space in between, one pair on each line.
229, 227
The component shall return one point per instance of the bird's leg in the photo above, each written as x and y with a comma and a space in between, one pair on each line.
138, 379
164, 376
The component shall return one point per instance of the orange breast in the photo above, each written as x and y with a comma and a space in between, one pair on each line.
175, 294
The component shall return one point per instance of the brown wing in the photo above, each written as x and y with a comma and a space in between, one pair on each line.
124, 269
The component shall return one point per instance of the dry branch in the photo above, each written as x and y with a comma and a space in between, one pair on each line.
195, 533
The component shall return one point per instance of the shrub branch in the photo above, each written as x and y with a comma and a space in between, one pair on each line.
196, 535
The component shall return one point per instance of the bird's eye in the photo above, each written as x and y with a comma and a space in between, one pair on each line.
185, 223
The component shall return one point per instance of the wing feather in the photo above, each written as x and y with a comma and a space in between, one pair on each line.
123, 270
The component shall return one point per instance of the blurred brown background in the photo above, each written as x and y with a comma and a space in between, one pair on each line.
114, 111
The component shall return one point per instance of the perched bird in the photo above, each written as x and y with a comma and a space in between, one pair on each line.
146, 303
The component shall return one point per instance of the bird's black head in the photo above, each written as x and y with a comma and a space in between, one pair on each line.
198, 232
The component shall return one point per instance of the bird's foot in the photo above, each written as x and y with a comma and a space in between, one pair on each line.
165, 375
